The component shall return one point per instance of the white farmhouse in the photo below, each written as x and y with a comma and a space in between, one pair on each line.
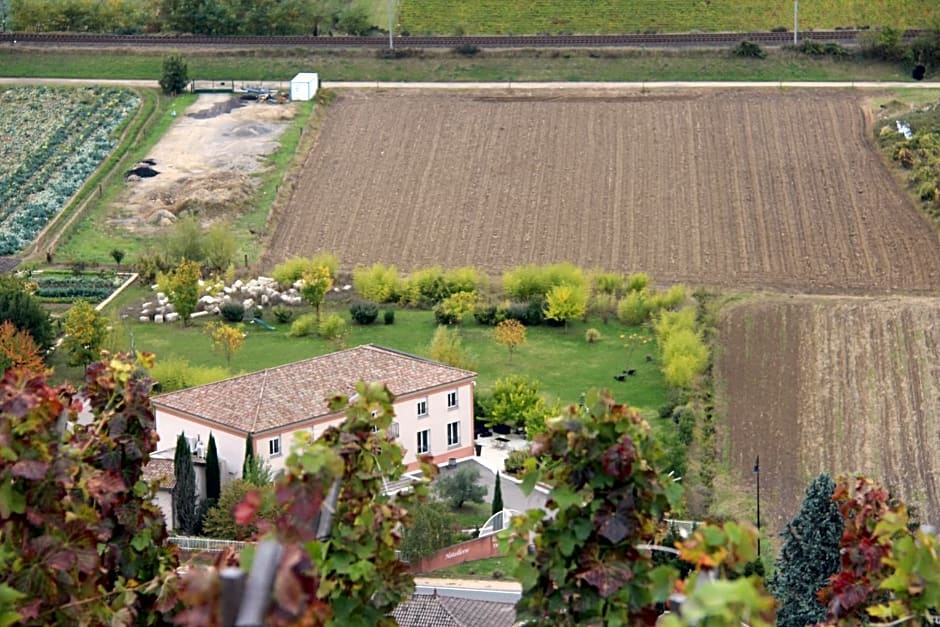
433, 406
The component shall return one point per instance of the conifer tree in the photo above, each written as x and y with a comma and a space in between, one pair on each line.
809, 556
184, 492
249, 457
497, 496
213, 472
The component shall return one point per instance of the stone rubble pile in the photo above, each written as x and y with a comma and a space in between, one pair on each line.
260, 292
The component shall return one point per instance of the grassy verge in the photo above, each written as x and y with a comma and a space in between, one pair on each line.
561, 361
446, 65
637, 16
490, 568
90, 239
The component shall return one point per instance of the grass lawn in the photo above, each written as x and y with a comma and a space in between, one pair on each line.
473, 515
446, 65
560, 360
489, 568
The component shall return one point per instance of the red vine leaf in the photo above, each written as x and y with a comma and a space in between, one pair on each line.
246, 511
607, 578
106, 487
617, 461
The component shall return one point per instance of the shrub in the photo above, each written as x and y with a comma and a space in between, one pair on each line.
633, 308
333, 327
232, 311
467, 50
818, 48
290, 271
150, 264
466, 279
303, 326
885, 43
447, 348
608, 283
515, 462
282, 313
530, 314
378, 283
364, 313
454, 308
389, 316
486, 314
425, 287
592, 335
750, 50
175, 75
638, 281
176, 373
673, 297
927, 191
525, 282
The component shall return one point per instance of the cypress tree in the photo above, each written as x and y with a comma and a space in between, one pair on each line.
249, 457
497, 495
809, 556
184, 492
213, 472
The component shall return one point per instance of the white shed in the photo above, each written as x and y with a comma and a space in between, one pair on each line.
304, 86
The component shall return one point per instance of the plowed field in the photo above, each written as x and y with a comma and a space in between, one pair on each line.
767, 189
836, 385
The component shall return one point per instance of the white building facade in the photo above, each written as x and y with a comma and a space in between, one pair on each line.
433, 406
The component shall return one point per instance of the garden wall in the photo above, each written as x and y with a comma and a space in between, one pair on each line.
471, 550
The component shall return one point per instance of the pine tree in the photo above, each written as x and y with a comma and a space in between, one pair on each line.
184, 492
497, 496
809, 556
249, 457
213, 472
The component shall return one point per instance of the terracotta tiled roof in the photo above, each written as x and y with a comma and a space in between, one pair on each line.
430, 610
287, 394
161, 470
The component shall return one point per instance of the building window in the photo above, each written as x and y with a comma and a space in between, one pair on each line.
452, 399
424, 438
393, 431
274, 446
423, 407
453, 433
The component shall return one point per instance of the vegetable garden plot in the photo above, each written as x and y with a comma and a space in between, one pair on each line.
53, 140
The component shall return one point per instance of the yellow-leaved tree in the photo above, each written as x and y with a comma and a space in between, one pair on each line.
85, 333
510, 333
226, 339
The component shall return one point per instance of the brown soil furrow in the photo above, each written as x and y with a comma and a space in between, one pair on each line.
402, 179
867, 388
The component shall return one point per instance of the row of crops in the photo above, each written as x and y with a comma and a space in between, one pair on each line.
56, 287
53, 139
662, 16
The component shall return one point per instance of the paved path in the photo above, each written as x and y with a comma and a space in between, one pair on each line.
577, 85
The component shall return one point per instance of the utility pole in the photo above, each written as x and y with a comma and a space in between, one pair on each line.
757, 472
391, 42
796, 19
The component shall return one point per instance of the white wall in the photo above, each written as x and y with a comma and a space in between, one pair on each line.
437, 419
230, 447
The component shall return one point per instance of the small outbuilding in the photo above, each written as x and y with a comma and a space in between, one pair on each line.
304, 86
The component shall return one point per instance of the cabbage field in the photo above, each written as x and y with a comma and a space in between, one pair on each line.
51, 140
